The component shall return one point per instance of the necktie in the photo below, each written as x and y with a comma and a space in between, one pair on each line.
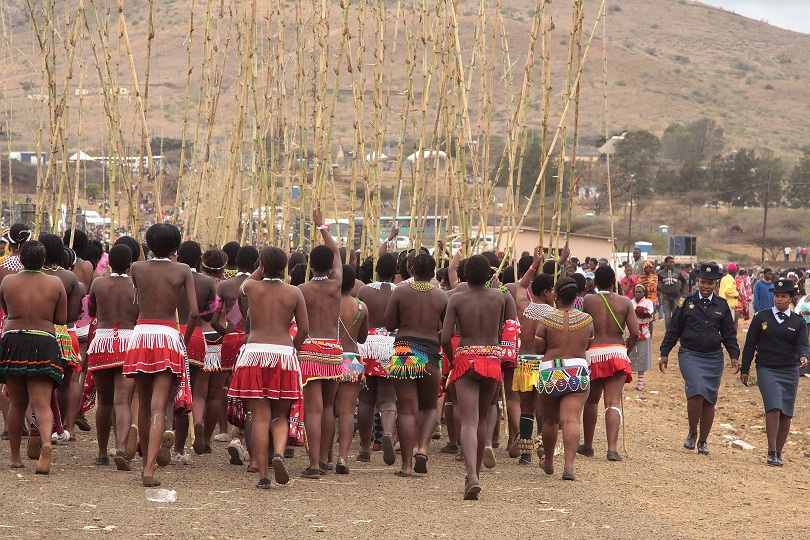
704, 302
781, 316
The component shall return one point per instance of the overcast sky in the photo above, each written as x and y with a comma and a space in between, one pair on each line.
791, 14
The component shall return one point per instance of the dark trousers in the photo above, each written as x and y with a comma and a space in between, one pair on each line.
669, 302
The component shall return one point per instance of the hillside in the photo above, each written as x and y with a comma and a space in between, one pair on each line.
669, 60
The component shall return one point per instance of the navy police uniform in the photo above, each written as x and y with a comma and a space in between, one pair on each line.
704, 326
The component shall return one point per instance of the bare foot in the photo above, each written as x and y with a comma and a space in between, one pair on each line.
44, 463
16, 464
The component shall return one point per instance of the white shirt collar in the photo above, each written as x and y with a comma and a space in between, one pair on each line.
709, 298
775, 311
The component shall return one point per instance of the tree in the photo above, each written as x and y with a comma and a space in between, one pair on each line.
692, 143
797, 193
635, 156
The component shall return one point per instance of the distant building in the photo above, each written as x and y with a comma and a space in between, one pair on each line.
587, 154
609, 148
29, 158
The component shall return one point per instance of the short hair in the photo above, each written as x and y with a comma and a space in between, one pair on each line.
298, 274
54, 249
246, 258
387, 266
80, 241
231, 250
274, 262
296, 258
668, 258
424, 265
567, 289
492, 258
349, 279
163, 239
580, 279
120, 258
524, 263
442, 275
321, 259
365, 272
214, 260
604, 277
508, 275
190, 253
93, 253
767, 270
462, 277
541, 283
402, 265
133, 245
477, 270
32, 255
549, 267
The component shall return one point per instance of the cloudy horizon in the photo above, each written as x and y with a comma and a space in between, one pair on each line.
789, 14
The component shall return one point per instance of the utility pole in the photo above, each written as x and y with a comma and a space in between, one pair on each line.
765, 217
630, 222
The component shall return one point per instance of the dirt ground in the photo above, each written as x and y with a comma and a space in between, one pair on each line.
659, 491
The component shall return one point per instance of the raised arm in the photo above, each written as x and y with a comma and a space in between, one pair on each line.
392, 236
328, 241
526, 280
452, 270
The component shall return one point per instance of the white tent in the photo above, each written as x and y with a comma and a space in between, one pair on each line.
426, 154
81, 156
373, 157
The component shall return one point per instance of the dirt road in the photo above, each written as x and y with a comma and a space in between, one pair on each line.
659, 491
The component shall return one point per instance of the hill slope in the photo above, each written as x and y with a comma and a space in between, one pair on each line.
669, 60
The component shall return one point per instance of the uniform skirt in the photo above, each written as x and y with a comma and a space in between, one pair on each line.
108, 348
485, 360
701, 373
778, 387
30, 353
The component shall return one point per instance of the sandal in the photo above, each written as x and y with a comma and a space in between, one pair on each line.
341, 467
121, 461
389, 456
199, 442
613, 455
310, 473
252, 469
164, 455
263, 483
132, 442
150, 481
280, 470
583, 451
568, 474
420, 463
101, 460
489, 457
471, 489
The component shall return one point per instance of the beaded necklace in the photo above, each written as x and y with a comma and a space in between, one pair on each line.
535, 311
577, 320
273, 279
114, 274
160, 259
422, 285
319, 278
32, 271
52, 267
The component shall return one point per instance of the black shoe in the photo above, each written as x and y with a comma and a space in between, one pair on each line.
779, 460
703, 448
689, 443
289, 453
582, 451
82, 423
774, 460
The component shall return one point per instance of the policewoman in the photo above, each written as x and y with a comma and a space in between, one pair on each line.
778, 338
704, 324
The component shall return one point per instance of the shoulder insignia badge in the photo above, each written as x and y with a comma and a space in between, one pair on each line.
680, 302
765, 325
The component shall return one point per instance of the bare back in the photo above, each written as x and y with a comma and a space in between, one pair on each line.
33, 301
376, 301
228, 292
323, 307
564, 342
74, 290
84, 273
159, 285
607, 330
112, 302
478, 313
205, 290
273, 306
353, 322
416, 313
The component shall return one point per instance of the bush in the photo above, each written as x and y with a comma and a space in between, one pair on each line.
768, 87
651, 51
681, 59
92, 190
614, 8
